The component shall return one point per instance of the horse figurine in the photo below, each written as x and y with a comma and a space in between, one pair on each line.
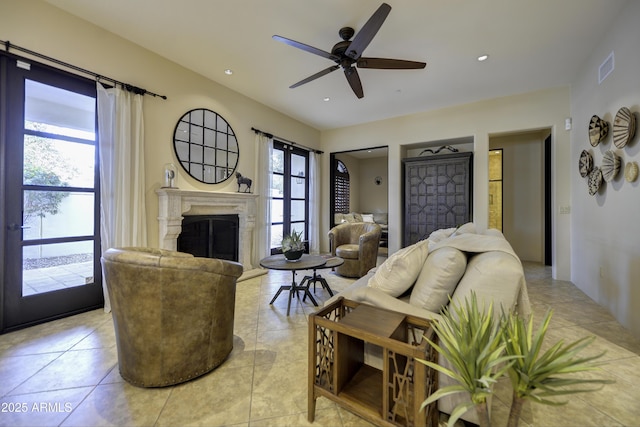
243, 180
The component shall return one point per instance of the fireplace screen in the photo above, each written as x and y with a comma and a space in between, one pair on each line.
210, 236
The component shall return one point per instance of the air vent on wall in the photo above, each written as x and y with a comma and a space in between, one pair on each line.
606, 68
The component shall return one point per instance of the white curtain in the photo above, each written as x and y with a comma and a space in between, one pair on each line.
122, 184
314, 202
264, 150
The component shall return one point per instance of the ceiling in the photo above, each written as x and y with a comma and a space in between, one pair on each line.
532, 45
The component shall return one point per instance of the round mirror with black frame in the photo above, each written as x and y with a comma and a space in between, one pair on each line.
206, 146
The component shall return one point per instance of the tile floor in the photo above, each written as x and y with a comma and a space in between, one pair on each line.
65, 373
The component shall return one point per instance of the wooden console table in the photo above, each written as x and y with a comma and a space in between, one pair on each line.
390, 396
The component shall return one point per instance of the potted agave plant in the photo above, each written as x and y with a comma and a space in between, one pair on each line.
537, 376
471, 341
481, 349
293, 245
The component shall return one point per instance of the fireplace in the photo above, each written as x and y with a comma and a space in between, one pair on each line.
176, 205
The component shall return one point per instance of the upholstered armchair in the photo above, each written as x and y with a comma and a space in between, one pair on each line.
357, 243
172, 313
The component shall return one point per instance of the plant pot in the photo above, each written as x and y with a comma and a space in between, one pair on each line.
293, 255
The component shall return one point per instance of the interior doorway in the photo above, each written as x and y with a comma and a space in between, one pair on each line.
495, 189
526, 191
368, 181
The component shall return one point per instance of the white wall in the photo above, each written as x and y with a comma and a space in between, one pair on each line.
545, 109
43, 28
372, 197
605, 228
523, 192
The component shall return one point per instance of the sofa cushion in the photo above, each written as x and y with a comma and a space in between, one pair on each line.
367, 218
348, 251
438, 278
381, 218
357, 217
494, 277
399, 272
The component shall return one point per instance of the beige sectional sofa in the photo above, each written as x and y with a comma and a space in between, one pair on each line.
380, 218
420, 278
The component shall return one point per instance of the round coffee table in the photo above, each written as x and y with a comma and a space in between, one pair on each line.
279, 262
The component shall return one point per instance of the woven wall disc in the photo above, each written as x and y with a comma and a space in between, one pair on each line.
585, 164
610, 166
631, 171
595, 180
598, 130
624, 127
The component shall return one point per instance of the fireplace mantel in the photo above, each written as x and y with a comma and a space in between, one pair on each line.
174, 204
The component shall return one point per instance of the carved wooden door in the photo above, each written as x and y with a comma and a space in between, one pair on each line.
437, 194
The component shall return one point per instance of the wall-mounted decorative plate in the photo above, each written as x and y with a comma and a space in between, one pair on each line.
624, 127
598, 130
631, 171
595, 180
585, 163
610, 166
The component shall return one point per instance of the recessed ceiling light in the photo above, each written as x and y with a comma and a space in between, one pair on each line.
483, 58
228, 72
326, 99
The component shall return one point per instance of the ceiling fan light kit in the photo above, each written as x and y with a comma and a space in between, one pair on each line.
348, 54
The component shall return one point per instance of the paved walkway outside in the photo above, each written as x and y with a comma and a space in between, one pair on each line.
49, 279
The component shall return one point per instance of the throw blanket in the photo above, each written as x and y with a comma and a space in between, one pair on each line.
476, 243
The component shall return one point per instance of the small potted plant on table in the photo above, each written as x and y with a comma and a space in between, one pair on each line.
293, 246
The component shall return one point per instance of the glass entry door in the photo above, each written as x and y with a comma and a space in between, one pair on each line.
51, 198
289, 193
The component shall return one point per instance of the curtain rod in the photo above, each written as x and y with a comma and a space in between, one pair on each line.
131, 88
269, 135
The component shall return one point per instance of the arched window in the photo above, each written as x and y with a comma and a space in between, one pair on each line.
342, 188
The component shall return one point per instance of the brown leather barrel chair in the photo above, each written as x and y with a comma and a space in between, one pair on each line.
172, 313
357, 243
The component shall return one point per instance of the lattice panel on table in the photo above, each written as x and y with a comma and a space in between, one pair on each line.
401, 389
401, 385
324, 358
431, 385
325, 349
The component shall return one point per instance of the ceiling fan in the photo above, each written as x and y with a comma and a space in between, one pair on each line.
347, 53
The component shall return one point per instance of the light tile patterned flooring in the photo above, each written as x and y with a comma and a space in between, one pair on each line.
64, 373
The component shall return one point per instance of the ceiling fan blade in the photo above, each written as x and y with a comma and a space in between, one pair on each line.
306, 48
389, 64
368, 32
354, 81
315, 76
